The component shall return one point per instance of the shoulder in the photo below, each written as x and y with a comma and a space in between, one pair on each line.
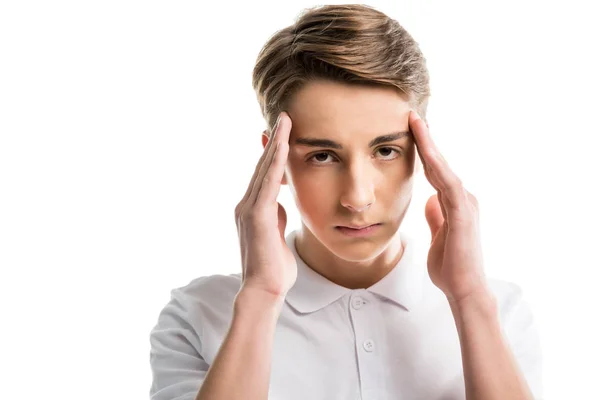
521, 329
513, 307
211, 292
507, 293
204, 303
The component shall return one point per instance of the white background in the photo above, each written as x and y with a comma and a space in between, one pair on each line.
129, 131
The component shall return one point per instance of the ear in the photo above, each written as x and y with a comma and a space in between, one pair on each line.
265, 140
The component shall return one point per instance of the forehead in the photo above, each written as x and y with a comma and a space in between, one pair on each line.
333, 109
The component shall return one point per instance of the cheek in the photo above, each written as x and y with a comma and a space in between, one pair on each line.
391, 175
314, 189
394, 186
401, 195
306, 178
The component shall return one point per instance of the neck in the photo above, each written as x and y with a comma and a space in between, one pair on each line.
346, 273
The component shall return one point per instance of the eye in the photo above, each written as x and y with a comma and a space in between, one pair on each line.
389, 153
320, 158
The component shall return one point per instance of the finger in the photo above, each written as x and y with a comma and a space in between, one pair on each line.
259, 164
271, 184
258, 183
440, 200
427, 171
426, 167
440, 175
422, 147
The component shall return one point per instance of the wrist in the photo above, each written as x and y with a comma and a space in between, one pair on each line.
251, 301
481, 302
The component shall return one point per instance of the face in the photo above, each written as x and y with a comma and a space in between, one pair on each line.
351, 163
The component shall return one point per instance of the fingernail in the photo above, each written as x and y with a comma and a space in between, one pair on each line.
417, 116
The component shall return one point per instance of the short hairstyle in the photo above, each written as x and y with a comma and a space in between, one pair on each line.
353, 44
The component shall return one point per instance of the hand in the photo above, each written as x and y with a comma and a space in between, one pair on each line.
455, 260
267, 263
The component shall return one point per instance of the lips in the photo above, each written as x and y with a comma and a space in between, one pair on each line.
357, 227
365, 231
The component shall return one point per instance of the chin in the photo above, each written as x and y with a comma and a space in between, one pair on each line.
360, 253
358, 249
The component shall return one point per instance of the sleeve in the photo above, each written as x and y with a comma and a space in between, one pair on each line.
178, 369
524, 339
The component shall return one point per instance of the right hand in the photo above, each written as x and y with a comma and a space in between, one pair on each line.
267, 262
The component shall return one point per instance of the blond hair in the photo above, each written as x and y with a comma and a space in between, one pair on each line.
354, 44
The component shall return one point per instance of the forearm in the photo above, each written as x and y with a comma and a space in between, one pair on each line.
490, 369
242, 367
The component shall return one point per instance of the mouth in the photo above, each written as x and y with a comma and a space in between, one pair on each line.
358, 231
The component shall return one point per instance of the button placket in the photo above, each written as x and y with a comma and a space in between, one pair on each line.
364, 313
358, 302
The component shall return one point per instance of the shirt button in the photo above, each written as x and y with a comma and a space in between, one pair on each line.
369, 345
358, 302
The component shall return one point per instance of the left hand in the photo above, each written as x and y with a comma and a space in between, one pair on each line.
455, 260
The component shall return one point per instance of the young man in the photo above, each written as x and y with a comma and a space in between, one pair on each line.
343, 308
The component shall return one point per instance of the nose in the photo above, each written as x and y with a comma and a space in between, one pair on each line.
357, 209
358, 191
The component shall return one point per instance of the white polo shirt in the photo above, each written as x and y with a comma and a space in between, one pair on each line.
394, 340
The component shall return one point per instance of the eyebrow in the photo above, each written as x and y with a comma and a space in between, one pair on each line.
313, 142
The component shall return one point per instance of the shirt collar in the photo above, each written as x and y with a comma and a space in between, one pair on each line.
403, 285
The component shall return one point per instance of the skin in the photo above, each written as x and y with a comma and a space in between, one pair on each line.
332, 187
338, 193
